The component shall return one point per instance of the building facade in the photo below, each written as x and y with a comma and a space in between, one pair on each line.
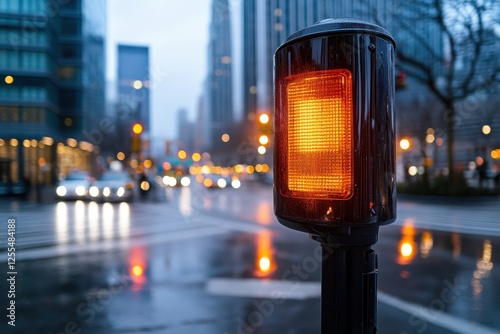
52, 89
219, 92
133, 81
133, 104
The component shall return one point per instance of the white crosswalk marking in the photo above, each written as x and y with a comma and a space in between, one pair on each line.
477, 219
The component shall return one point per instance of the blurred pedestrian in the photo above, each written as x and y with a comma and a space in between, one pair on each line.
482, 171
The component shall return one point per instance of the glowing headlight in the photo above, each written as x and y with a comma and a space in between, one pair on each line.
120, 192
94, 191
221, 183
236, 183
172, 182
80, 190
61, 191
165, 180
185, 181
106, 191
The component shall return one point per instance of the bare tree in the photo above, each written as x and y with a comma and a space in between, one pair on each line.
450, 46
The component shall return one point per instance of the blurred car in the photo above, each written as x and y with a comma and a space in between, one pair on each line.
74, 186
112, 186
218, 181
176, 181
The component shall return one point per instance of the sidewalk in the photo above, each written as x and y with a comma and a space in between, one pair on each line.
44, 194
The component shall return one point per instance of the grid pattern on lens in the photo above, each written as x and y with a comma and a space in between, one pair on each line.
320, 134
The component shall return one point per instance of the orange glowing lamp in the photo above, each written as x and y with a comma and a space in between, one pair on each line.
320, 132
334, 139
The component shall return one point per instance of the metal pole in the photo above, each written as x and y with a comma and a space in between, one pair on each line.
348, 290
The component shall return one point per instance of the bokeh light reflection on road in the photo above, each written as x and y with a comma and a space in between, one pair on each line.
407, 246
93, 210
426, 244
137, 266
80, 222
265, 214
62, 223
265, 262
107, 220
483, 269
185, 204
124, 220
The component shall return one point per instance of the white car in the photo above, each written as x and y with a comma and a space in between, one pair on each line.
112, 186
74, 186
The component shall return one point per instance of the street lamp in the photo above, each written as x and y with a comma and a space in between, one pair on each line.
334, 157
404, 144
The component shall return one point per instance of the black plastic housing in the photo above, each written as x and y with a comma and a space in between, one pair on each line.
367, 51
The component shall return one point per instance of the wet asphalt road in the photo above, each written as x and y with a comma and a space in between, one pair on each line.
218, 262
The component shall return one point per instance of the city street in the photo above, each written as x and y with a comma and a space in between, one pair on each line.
217, 261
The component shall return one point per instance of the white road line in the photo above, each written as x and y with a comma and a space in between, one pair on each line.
282, 289
264, 289
440, 319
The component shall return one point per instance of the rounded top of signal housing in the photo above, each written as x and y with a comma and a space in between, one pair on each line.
339, 26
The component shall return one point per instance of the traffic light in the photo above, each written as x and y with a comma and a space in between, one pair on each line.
136, 137
334, 128
265, 129
137, 128
401, 80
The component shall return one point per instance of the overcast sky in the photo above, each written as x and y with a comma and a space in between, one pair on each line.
177, 34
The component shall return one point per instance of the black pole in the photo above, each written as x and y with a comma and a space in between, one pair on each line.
349, 281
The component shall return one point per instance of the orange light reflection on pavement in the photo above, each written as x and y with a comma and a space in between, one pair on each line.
407, 247
265, 262
138, 265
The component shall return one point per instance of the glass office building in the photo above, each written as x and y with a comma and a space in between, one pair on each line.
51, 89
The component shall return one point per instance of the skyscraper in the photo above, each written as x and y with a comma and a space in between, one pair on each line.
219, 82
52, 88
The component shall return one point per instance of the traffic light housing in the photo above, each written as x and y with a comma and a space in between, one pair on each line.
334, 156
136, 144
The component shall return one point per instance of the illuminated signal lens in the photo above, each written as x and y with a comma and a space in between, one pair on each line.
320, 134
137, 128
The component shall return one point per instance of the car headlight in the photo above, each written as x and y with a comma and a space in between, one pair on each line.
106, 192
221, 183
61, 191
120, 192
185, 181
80, 190
236, 183
172, 182
94, 191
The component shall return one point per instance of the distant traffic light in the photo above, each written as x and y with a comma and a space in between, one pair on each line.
400, 80
136, 137
137, 128
265, 130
